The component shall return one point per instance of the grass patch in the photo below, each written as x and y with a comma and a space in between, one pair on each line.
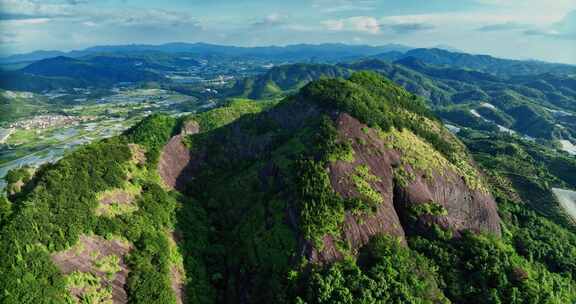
88, 288
369, 198
422, 157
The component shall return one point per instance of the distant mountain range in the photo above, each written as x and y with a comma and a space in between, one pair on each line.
329, 51
108, 65
483, 63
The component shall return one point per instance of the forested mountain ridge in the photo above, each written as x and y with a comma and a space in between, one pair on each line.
100, 70
350, 191
484, 63
300, 52
284, 79
65, 73
534, 106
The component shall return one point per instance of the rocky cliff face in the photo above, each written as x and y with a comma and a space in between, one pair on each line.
463, 208
175, 166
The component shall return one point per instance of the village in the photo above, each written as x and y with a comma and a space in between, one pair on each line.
49, 121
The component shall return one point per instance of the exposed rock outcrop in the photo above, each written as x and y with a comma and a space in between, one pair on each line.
85, 256
174, 165
467, 209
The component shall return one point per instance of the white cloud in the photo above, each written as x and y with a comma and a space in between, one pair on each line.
362, 24
271, 20
333, 25
365, 24
533, 5
564, 29
372, 25
30, 21
89, 23
31, 9
339, 6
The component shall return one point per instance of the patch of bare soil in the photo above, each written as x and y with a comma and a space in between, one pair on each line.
84, 257
117, 196
116, 202
138, 154
178, 284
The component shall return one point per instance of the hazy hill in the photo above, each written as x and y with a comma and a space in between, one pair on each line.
95, 71
299, 52
281, 80
482, 63
17, 105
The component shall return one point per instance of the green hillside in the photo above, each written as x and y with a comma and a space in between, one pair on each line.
349, 191
284, 79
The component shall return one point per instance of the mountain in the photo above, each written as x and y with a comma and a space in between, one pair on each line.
529, 105
299, 52
19, 81
349, 191
32, 56
281, 80
482, 63
66, 73
97, 71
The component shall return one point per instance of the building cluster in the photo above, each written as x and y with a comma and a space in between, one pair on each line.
49, 121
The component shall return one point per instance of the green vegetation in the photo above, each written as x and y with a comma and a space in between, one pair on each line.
533, 105
49, 217
430, 208
379, 103
422, 157
17, 178
231, 111
285, 79
369, 198
321, 209
149, 280
483, 269
110, 265
18, 175
152, 133
90, 287
376, 102
150, 261
385, 272
5, 209
330, 145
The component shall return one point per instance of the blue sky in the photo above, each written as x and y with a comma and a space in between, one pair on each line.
525, 29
